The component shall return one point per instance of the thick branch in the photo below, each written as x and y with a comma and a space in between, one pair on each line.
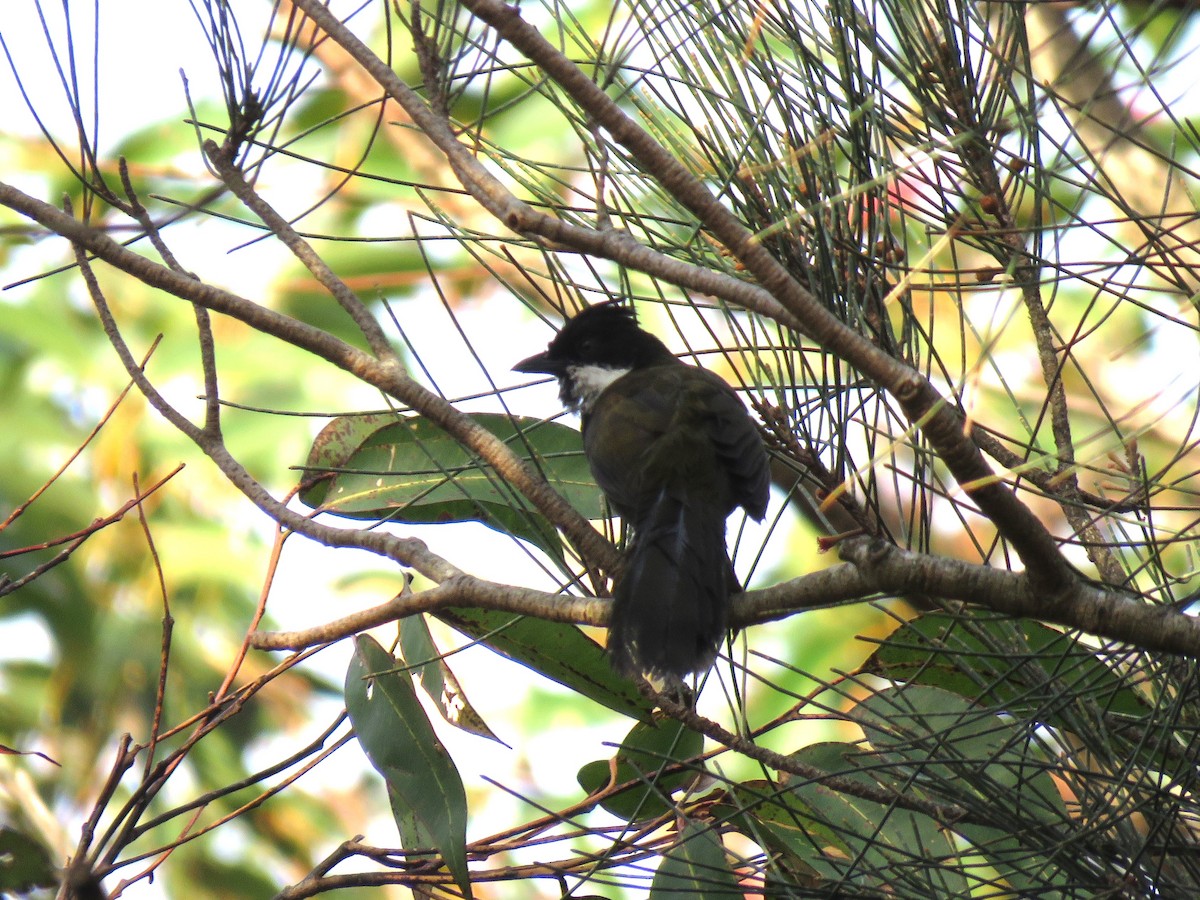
1087, 606
462, 590
874, 568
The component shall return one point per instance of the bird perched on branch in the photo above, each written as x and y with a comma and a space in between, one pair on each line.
675, 452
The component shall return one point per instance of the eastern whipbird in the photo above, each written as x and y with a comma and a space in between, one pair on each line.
675, 452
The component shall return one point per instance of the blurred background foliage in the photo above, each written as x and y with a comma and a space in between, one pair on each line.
853, 191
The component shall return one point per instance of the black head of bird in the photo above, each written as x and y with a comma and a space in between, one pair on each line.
675, 452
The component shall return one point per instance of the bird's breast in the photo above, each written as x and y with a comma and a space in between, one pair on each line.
650, 431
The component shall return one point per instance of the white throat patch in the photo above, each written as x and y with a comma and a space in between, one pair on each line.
589, 382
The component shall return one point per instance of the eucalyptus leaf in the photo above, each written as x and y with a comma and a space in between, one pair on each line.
958, 749
438, 679
829, 836
954, 749
426, 790
407, 469
562, 653
24, 863
645, 752
1024, 666
695, 868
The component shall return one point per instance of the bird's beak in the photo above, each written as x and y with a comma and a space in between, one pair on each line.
540, 363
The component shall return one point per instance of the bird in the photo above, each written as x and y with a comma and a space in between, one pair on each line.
675, 452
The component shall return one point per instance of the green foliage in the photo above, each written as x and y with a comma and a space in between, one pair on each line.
24, 863
1026, 668
427, 795
560, 652
375, 467
646, 752
695, 867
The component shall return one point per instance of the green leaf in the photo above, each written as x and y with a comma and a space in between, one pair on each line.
961, 750
898, 847
825, 835
406, 469
1027, 872
24, 863
1024, 666
429, 800
780, 821
954, 746
695, 868
438, 680
645, 752
1036, 676
956, 750
562, 653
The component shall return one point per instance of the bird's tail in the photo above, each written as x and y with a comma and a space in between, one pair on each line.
671, 606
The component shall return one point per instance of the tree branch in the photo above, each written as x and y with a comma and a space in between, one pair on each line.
1087, 606
873, 569
387, 376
